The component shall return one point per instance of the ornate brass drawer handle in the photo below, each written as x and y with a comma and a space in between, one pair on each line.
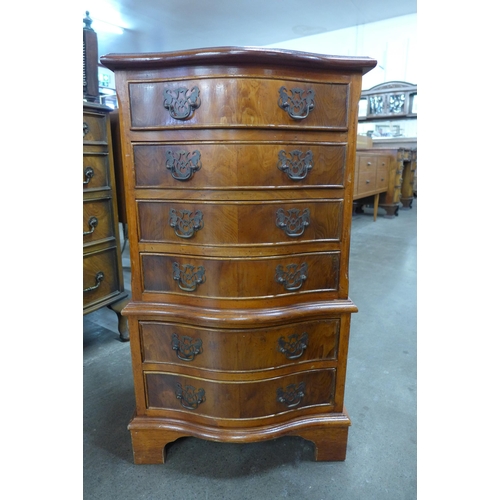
181, 102
295, 346
292, 395
189, 397
93, 221
295, 164
183, 164
293, 277
298, 103
294, 222
88, 173
99, 277
186, 347
185, 224
86, 128
189, 277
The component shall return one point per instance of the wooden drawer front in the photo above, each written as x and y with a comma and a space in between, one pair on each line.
239, 350
95, 171
367, 164
382, 181
215, 165
240, 399
240, 278
367, 180
233, 102
383, 162
97, 220
239, 223
100, 276
94, 128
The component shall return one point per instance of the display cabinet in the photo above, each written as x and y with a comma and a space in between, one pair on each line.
388, 115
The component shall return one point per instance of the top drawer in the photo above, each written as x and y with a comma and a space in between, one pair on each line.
94, 128
238, 102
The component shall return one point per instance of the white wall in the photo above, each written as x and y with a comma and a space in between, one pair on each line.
393, 43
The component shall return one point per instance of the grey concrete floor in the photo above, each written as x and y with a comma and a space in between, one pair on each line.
380, 398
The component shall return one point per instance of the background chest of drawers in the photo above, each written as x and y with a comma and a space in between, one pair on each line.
371, 177
388, 172
238, 168
102, 267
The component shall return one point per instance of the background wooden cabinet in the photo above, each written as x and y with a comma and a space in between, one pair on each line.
387, 175
102, 266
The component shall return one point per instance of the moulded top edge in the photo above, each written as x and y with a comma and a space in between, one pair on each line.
235, 55
230, 318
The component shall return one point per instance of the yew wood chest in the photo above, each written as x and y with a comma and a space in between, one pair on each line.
238, 169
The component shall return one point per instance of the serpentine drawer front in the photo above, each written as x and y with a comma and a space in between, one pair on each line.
239, 168
97, 220
239, 350
249, 277
241, 400
95, 170
240, 223
100, 276
241, 102
202, 165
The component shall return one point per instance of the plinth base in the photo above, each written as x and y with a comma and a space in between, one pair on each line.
327, 431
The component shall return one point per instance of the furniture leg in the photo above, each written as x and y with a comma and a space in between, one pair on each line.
117, 307
149, 445
330, 442
375, 206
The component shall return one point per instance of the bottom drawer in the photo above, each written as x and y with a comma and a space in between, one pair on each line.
100, 276
240, 400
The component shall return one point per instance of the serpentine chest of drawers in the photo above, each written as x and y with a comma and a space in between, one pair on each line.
238, 167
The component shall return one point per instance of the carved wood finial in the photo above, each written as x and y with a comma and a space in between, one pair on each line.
90, 58
87, 21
